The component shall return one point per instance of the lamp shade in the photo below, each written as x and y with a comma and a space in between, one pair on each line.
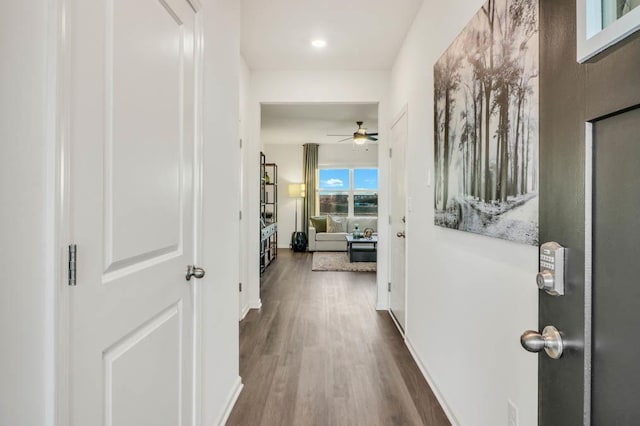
296, 190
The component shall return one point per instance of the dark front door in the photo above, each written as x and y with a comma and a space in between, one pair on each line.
590, 203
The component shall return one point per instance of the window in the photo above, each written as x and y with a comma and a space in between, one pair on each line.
603, 23
333, 191
365, 192
348, 192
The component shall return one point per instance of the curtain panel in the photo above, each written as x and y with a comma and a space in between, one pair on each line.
310, 170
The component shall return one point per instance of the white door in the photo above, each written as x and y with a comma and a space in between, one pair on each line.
397, 186
132, 215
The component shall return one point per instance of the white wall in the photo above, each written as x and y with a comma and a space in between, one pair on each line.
279, 86
348, 155
26, 248
289, 160
245, 81
469, 297
219, 290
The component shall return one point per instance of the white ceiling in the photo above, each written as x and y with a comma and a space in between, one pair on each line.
304, 123
360, 34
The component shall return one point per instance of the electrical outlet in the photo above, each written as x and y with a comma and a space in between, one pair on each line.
512, 414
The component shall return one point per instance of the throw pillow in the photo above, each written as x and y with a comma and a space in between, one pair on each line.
336, 224
319, 222
368, 223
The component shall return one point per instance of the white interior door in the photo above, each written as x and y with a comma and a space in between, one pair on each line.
132, 215
397, 294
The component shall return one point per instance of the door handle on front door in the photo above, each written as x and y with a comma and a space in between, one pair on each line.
193, 271
550, 340
401, 234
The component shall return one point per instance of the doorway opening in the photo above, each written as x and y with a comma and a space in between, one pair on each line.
321, 178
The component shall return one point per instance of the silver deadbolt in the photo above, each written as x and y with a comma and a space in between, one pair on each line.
193, 271
401, 234
552, 268
550, 340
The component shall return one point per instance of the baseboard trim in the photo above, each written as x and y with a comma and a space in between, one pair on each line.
256, 305
231, 401
244, 312
395, 321
432, 384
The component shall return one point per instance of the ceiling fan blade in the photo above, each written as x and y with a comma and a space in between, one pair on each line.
337, 135
372, 134
346, 139
371, 138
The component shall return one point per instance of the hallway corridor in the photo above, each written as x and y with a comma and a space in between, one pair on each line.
318, 353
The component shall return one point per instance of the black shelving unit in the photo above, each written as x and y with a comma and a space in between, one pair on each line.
268, 212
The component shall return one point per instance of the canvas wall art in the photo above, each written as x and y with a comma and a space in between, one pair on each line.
486, 125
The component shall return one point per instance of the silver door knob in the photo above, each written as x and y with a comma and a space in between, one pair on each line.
401, 234
194, 272
550, 340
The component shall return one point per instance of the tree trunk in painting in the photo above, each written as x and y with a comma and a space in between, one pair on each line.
445, 148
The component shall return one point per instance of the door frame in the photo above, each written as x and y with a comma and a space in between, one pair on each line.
404, 111
588, 264
58, 118
59, 115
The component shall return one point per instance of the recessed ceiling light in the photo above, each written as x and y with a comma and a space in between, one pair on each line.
319, 43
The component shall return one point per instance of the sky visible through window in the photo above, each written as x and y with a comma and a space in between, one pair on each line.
334, 179
366, 179
338, 179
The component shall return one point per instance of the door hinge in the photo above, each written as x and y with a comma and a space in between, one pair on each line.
240, 215
72, 264
389, 219
240, 286
390, 152
389, 288
240, 142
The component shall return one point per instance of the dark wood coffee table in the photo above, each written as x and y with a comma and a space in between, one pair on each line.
362, 249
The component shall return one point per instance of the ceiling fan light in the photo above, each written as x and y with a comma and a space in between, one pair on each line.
359, 139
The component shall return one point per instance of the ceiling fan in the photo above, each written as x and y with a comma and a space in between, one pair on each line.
360, 136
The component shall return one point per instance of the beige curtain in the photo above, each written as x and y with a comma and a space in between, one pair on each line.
310, 170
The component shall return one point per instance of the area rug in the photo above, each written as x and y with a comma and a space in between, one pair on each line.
339, 261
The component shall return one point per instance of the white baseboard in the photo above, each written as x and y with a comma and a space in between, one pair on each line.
400, 330
244, 312
231, 401
434, 387
255, 305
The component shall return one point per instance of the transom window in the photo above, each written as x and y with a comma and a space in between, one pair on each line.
348, 191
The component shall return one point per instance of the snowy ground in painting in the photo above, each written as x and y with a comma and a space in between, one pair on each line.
515, 220
519, 224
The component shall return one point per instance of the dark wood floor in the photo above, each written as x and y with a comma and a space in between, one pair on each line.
318, 353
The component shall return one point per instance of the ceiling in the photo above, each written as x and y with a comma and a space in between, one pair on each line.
360, 34
310, 123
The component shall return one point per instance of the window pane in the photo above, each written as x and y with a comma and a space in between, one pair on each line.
366, 179
365, 204
334, 203
334, 179
612, 10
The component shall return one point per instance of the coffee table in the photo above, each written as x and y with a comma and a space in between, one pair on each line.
362, 249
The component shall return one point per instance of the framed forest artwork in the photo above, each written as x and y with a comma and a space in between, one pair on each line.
486, 124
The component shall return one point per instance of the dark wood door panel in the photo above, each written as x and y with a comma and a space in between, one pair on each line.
616, 293
562, 148
612, 79
572, 94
